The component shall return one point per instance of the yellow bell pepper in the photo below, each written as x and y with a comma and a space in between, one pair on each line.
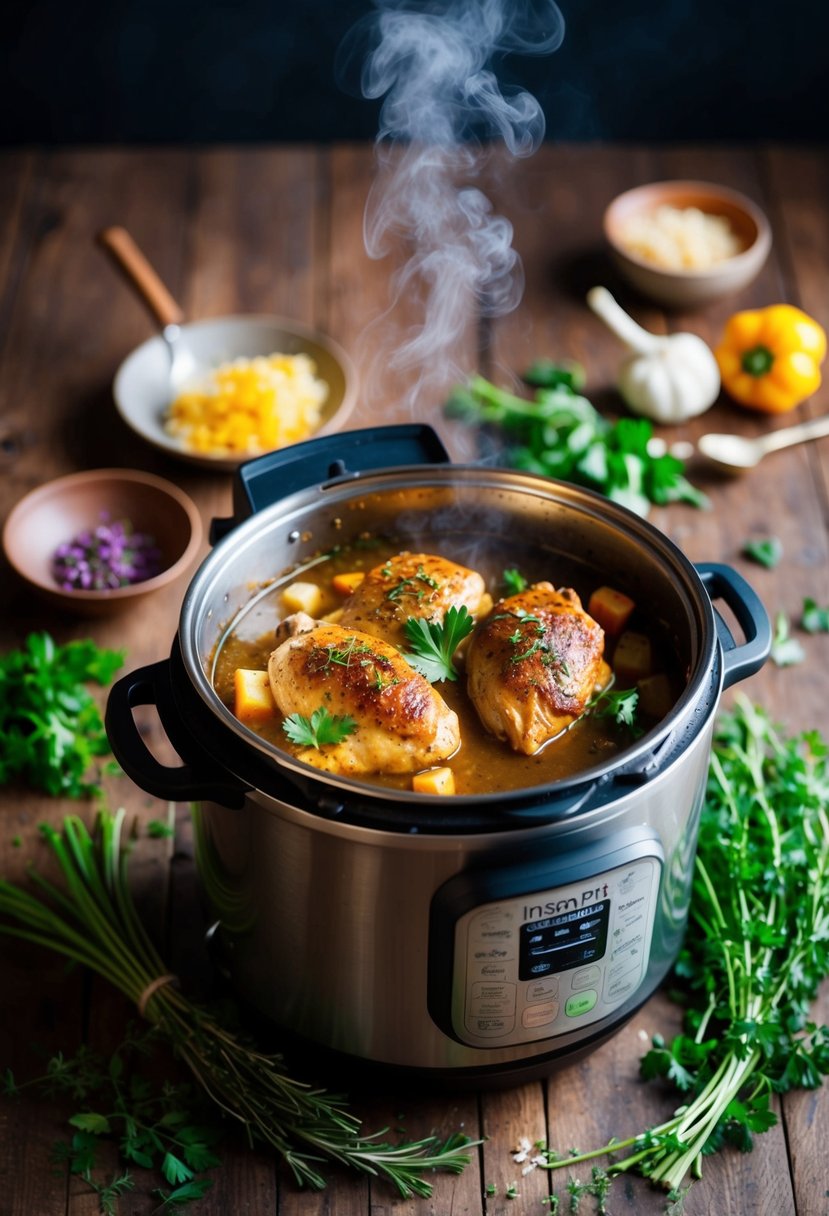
770, 359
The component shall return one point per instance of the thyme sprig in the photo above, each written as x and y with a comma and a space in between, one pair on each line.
92, 921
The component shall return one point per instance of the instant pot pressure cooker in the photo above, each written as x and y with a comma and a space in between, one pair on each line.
472, 938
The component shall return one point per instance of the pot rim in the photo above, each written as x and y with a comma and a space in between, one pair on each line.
630, 761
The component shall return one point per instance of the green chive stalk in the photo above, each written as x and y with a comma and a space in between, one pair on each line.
93, 921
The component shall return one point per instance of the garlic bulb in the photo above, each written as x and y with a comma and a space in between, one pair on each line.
666, 379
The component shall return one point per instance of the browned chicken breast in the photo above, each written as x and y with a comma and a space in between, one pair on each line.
403, 725
411, 584
533, 663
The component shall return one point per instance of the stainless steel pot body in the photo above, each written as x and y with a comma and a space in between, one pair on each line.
469, 935
338, 932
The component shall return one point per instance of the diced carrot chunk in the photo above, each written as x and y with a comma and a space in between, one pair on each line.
434, 781
611, 609
253, 700
632, 658
345, 584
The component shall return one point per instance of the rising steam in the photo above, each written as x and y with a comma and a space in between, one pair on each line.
443, 106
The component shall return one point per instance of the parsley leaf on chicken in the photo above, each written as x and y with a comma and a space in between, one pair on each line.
318, 730
433, 644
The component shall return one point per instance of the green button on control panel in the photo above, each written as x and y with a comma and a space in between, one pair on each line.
581, 1003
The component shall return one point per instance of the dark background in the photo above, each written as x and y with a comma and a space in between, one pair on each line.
173, 71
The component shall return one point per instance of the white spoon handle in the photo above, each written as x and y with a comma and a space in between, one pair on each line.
814, 429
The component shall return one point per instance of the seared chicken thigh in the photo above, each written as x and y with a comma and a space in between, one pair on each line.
403, 725
410, 584
533, 663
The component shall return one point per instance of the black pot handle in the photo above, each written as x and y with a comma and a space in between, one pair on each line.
260, 483
199, 778
739, 661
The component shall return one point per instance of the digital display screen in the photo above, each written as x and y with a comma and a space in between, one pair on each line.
559, 943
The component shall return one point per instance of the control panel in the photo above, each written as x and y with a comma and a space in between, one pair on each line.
532, 966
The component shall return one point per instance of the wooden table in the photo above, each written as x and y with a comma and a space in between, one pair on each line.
279, 230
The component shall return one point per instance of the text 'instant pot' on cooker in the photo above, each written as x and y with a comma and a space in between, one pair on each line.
477, 937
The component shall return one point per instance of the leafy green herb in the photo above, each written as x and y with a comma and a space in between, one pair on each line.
766, 552
156, 1127
786, 651
99, 928
813, 618
544, 373
158, 829
513, 581
49, 722
619, 705
756, 951
560, 434
434, 644
318, 730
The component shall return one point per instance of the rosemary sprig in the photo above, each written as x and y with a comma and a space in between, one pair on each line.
93, 922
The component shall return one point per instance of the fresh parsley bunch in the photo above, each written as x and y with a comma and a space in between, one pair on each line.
756, 950
50, 725
560, 434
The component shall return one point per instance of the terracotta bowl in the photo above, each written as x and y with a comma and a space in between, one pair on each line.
61, 509
689, 288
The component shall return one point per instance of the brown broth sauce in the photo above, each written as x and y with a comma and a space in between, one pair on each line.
482, 764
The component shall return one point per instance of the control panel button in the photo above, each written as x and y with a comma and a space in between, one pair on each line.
540, 1015
490, 1028
581, 1003
585, 978
541, 990
492, 999
491, 972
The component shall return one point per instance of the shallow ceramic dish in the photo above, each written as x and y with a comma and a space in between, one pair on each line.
689, 288
142, 383
61, 509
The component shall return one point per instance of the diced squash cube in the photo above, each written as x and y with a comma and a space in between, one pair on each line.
346, 584
611, 609
434, 781
632, 658
332, 618
484, 607
253, 701
302, 597
655, 696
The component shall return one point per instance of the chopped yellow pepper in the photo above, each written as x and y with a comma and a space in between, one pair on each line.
770, 359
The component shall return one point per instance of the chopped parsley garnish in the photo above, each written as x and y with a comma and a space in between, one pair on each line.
433, 644
318, 730
534, 644
786, 651
765, 552
343, 656
409, 586
814, 619
513, 581
621, 705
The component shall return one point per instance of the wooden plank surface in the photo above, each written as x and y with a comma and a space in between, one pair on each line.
280, 230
